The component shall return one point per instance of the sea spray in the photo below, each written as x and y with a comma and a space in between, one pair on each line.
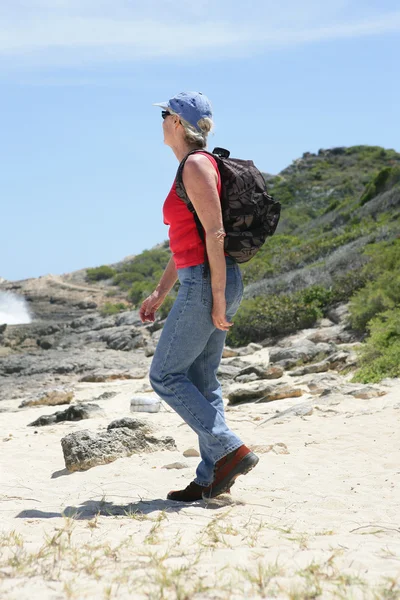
13, 309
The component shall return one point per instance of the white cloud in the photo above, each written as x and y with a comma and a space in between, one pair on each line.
71, 32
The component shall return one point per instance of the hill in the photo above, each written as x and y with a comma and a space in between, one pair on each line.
337, 241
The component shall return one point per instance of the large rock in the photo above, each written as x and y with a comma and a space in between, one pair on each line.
86, 449
304, 351
103, 375
261, 372
76, 412
53, 397
261, 391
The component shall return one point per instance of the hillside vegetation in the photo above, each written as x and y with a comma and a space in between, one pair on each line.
338, 240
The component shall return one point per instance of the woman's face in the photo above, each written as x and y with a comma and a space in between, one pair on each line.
170, 124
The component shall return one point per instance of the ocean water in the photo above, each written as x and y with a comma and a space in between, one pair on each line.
13, 309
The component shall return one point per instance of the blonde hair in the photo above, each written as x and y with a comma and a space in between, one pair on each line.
193, 136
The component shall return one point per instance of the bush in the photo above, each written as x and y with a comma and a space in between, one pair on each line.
380, 355
99, 273
262, 317
113, 309
382, 292
383, 181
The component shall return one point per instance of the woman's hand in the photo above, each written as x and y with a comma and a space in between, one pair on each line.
218, 314
149, 306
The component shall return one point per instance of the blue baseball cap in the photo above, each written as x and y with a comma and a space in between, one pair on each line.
191, 106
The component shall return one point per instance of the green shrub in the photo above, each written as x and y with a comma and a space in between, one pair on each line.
113, 309
99, 273
382, 292
383, 181
261, 317
380, 355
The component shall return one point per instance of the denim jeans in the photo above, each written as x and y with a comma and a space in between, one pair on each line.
184, 367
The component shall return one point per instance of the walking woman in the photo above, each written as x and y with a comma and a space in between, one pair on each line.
184, 368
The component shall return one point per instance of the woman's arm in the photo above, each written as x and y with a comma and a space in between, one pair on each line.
153, 302
200, 180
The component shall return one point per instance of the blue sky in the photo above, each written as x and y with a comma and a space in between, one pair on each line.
84, 171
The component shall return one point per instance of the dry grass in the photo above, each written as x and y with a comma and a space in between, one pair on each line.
153, 565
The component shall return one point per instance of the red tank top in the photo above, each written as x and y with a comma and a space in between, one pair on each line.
184, 240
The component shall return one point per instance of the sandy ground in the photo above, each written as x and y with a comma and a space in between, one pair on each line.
319, 517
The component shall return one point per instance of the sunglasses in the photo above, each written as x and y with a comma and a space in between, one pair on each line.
165, 114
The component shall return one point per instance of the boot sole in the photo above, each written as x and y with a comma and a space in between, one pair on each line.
247, 463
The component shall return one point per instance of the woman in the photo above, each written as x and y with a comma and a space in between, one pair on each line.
184, 368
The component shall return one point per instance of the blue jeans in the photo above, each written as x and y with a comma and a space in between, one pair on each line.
184, 367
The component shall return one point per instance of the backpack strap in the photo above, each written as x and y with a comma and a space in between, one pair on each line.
180, 188
181, 193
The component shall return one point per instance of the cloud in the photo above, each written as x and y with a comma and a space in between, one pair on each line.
84, 32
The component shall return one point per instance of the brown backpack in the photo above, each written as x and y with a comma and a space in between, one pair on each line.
249, 213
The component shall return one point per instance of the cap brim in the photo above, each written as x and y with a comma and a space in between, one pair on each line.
161, 104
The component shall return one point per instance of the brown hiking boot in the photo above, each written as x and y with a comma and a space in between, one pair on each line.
191, 493
238, 462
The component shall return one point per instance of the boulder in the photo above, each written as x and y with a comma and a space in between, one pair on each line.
191, 452
320, 367
249, 349
53, 397
327, 334
304, 409
261, 391
303, 351
176, 465
261, 372
229, 352
86, 449
131, 423
76, 412
102, 375
227, 371
339, 314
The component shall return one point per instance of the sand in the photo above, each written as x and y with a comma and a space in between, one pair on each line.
319, 517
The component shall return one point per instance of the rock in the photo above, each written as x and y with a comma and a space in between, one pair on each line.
86, 449
147, 403
287, 364
102, 376
76, 412
246, 378
235, 362
130, 423
191, 452
106, 396
176, 465
320, 367
303, 351
324, 323
45, 343
249, 349
52, 397
128, 318
327, 380
149, 347
339, 314
229, 352
367, 392
278, 448
260, 391
328, 334
300, 410
122, 338
228, 371
261, 372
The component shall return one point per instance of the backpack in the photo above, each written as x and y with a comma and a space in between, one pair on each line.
249, 213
